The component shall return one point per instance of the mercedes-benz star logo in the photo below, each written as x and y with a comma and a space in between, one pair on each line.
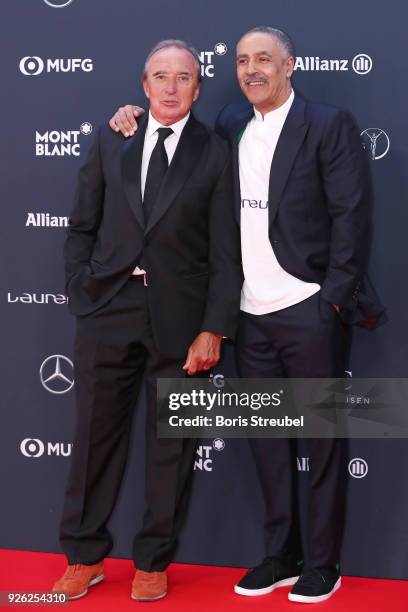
56, 374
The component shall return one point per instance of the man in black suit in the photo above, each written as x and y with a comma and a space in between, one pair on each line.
303, 199
154, 276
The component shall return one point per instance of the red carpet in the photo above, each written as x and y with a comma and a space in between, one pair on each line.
192, 588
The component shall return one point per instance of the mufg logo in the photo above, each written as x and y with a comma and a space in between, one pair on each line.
358, 468
32, 65
33, 448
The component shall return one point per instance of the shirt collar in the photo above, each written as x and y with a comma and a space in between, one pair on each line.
278, 114
177, 127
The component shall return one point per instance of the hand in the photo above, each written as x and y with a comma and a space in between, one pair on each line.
336, 307
124, 119
204, 353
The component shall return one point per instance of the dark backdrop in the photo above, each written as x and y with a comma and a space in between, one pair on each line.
72, 66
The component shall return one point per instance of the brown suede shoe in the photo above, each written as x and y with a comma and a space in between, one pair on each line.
77, 578
149, 586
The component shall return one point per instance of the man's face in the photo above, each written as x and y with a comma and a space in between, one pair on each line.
171, 84
263, 71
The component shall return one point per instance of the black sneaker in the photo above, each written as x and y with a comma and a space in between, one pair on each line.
269, 575
315, 585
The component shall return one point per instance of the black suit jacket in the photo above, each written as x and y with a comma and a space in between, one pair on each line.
190, 247
320, 201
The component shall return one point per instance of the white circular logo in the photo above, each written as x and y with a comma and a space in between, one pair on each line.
218, 444
32, 447
86, 128
56, 374
58, 3
358, 468
362, 63
31, 65
220, 48
375, 142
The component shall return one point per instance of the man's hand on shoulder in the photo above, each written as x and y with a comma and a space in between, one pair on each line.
204, 353
124, 119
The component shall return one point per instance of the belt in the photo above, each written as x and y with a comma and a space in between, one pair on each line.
139, 278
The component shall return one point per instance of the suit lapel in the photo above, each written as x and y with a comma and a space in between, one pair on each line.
186, 156
290, 140
236, 137
131, 162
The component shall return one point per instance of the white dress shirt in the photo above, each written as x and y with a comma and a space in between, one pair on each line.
267, 286
170, 145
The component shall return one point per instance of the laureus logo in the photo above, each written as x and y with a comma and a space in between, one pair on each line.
58, 3
376, 142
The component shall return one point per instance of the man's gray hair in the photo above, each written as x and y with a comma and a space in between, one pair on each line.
284, 40
179, 44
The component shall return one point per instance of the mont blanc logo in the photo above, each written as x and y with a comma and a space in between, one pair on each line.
218, 444
57, 374
44, 219
56, 143
361, 64
376, 142
220, 48
32, 65
204, 459
358, 468
207, 59
34, 448
36, 298
58, 3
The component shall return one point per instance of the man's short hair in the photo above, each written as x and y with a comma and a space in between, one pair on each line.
179, 44
284, 39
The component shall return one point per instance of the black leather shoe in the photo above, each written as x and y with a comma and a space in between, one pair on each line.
315, 585
271, 574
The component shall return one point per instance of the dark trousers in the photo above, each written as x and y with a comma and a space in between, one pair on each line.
307, 340
114, 351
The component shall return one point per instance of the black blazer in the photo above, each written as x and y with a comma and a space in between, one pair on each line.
190, 247
320, 201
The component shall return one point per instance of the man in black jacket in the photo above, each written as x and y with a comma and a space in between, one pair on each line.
303, 200
154, 276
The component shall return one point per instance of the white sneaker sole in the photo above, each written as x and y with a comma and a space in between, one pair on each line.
318, 598
149, 598
91, 583
255, 592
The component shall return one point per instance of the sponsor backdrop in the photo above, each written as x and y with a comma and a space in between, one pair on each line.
66, 66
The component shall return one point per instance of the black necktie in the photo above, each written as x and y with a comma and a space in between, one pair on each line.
158, 165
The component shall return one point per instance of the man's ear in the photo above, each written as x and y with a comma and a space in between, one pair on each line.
196, 93
146, 88
290, 66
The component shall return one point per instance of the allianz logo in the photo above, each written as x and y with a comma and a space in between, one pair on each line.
361, 64
302, 464
37, 298
40, 219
